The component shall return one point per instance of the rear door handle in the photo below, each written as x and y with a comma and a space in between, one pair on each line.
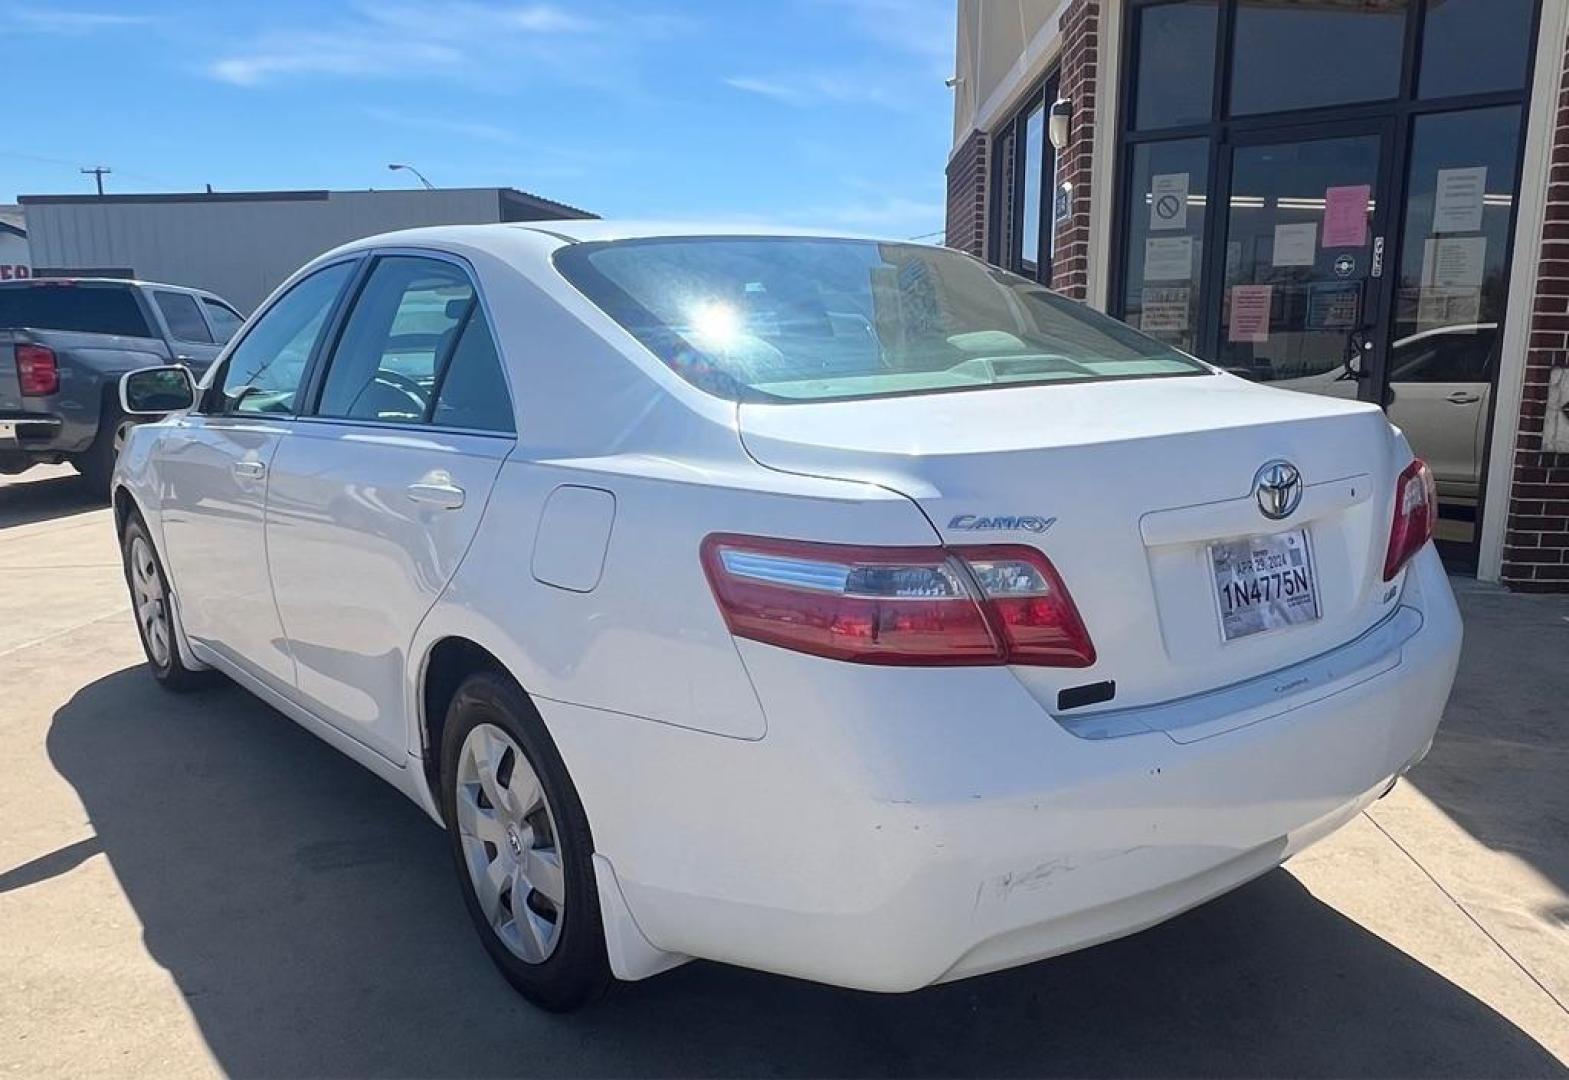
249, 470
1463, 397
446, 496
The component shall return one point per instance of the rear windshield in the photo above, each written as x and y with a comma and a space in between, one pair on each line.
88, 309
807, 319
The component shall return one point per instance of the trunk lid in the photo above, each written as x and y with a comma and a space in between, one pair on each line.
1125, 486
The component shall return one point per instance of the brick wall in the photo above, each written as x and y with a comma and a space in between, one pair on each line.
1080, 43
1536, 541
966, 224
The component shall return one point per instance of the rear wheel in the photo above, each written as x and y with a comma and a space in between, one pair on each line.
96, 463
522, 846
151, 605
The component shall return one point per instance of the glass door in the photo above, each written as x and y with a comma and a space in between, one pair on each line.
1300, 258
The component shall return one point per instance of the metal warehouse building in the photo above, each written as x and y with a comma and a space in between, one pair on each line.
240, 245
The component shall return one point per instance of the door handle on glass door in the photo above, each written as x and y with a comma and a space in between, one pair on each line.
249, 470
1463, 397
446, 496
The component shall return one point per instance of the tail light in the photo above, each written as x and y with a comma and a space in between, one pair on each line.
921, 606
1416, 510
36, 371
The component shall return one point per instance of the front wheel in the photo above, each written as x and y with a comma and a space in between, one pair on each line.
150, 604
521, 843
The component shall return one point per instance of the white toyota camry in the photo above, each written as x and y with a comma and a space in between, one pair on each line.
846, 609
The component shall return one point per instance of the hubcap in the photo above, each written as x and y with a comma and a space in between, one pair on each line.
147, 594
508, 836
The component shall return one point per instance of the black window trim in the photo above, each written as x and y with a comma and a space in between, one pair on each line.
316, 371
203, 300
220, 367
1043, 93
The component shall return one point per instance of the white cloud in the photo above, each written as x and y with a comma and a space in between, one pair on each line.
441, 125
38, 19
813, 88
448, 39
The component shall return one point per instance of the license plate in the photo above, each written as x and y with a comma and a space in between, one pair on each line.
1264, 583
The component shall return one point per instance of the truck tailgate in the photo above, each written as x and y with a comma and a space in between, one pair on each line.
10, 391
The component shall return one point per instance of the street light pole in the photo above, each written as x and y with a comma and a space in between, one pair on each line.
428, 185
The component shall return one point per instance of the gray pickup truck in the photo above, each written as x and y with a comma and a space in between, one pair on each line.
65, 342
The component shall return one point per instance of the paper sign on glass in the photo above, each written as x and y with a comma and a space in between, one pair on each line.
1454, 262
1164, 311
1345, 215
1250, 313
1168, 258
1458, 199
1296, 245
1169, 201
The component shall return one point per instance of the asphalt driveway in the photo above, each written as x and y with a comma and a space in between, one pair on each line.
191, 885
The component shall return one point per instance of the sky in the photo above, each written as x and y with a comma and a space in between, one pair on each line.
816, 112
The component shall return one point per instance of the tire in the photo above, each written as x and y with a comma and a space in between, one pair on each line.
96, 463
144, 576
550, 945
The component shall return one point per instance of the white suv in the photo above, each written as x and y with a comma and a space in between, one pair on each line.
845, 609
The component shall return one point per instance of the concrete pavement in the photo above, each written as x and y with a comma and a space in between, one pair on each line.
193, 885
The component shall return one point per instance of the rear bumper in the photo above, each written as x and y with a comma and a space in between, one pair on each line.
28, 431
897, 828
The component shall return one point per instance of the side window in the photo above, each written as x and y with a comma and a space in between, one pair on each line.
472, 392
405, 324
264, 371
183, 317
1459, 355
224, 320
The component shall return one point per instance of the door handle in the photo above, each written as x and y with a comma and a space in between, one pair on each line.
249, 470
446, 496
1463, 397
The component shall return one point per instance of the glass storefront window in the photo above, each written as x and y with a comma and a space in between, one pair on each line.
1176, 64
1475, 46
1307, 54
1165, 230
1453, 266
1030, 223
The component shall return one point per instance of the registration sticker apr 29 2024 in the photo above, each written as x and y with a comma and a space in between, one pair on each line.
1264, 583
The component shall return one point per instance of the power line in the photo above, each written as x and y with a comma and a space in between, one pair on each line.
97, 172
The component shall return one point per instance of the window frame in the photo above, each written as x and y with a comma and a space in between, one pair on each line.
220, 368
1042, 94
316, 372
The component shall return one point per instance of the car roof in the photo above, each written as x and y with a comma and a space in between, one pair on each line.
599, 229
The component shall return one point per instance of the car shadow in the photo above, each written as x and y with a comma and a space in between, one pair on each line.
44, 495
1499, 764
310, 917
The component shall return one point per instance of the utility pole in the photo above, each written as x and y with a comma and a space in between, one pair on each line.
98, 173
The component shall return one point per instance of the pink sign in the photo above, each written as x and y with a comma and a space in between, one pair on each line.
1345, 215
1250, 313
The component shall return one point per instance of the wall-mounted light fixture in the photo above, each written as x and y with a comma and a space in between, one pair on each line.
1059, 126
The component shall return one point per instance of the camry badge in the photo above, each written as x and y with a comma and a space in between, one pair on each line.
981, 523
1278, 489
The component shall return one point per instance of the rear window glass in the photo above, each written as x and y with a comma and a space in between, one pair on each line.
808, 319
88, 309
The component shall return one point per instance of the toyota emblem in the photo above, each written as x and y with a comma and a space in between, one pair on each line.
1278, 489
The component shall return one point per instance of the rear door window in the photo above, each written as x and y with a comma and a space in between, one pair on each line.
416, 350
183, 317
96, 308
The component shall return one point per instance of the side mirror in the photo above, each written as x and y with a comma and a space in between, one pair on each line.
154, 391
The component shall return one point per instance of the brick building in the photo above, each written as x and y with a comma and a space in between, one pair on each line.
1394, 181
